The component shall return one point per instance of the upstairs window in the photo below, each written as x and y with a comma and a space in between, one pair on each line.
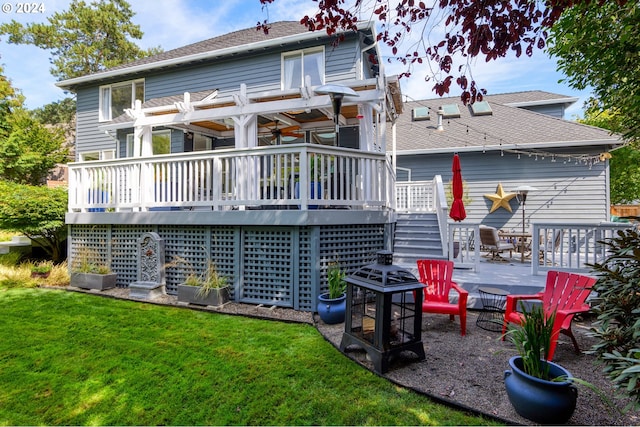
296, 65
115, 98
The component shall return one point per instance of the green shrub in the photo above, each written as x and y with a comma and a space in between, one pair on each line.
37, 212
618, 310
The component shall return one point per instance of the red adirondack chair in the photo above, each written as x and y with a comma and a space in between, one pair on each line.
565, 293
436, 275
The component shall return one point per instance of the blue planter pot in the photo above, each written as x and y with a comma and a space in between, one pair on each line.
315, 192
332, 311
541, 401
97, 196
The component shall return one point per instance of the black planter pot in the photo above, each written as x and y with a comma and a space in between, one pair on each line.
541, 401
332, 310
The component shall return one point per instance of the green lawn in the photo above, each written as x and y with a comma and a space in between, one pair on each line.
77, 359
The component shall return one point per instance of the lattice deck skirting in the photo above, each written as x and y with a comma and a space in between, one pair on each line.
284, 266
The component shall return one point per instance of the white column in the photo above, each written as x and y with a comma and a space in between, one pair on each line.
147, 142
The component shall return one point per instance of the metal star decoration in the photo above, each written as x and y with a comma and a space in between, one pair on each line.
500, 199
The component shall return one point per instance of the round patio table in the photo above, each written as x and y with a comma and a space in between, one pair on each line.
491, 316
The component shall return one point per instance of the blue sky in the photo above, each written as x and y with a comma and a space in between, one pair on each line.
175, 23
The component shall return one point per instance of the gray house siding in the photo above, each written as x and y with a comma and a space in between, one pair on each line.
89, 138
340, 62
566, 192
260, 72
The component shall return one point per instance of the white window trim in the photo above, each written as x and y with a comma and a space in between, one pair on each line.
302, 52
102, 114
101, 155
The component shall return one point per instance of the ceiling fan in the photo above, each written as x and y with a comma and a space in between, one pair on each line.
277, 133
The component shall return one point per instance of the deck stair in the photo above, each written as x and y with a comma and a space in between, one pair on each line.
417, 236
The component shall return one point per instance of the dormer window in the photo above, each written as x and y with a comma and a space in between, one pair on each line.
300, 63
115, 98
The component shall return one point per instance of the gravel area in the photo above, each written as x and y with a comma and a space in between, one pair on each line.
469, 371
463, 371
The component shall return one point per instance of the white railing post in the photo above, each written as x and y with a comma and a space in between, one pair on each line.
440, 203
303, 179
74, 187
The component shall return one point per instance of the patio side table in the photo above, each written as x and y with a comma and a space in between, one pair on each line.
491, 318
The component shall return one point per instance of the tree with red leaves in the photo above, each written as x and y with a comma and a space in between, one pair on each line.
462, 29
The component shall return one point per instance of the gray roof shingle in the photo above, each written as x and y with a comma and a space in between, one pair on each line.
507, 126
233, 39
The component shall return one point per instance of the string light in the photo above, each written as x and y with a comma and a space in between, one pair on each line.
587, 159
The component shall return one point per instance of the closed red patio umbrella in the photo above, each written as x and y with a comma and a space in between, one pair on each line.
457, 212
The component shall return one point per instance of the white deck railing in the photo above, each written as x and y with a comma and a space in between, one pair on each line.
415, 196
566, 247
234, 179
570, 247
464, 247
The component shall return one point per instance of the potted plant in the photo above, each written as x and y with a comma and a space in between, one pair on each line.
87, 272
41, 270
315, 187
539, 390
332, 305
206, 288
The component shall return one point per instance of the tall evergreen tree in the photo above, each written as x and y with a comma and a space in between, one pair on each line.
85, 39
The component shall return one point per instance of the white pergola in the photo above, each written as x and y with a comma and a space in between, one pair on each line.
216, 113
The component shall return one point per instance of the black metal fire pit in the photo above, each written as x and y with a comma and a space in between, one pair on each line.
383, 317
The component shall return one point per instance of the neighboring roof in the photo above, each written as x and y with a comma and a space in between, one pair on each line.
506, 127
246, 40
531, 98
